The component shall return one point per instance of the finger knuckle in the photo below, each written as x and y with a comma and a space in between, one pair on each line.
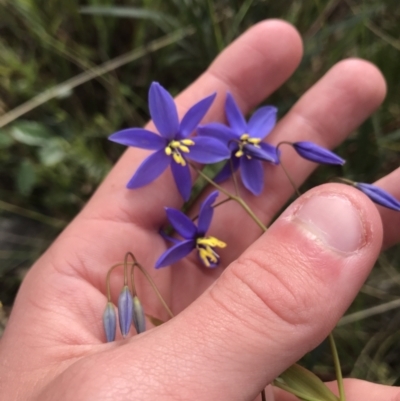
283, 293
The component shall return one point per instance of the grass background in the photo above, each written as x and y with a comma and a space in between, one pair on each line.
54, 149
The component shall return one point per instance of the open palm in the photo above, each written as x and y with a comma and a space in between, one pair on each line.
268, 308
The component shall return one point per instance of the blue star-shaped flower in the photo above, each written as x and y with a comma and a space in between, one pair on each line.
194, 237
244, 140
173, 146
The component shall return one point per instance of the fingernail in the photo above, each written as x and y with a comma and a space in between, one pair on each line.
333, 220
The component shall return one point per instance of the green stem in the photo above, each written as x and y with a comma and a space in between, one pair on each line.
214, 206
234, 177
338, 369
155, 289
344, 181
51, 221
217, 31
288, 176
237, 199
108, 280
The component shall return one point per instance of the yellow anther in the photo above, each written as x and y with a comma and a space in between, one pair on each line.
205, 247
244, 137
211, 241
239, 153
187, 142
168, 151
174, 144
184, 149
203, 256
179, 159
254, 141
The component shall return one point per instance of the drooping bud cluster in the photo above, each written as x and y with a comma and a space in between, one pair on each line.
130, 309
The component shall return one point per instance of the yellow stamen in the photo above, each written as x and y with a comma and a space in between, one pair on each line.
211, 241
205, 247
254, 141
179, 159
244, 137
175, 148
203, 256
239, 153
187, 142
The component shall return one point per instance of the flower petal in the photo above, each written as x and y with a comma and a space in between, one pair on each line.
168, 237
206, 213
194, 115
150, 169
181, 223
139, 138
226, 171
218, 131
315, 153
234, 115
252, 173
259, 153
379, 196
273, 151
208, 150
163, 111
262, 122
175, 253
183, 179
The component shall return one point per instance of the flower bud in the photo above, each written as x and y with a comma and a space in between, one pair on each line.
317, 154
138, 317
110, 322
125, 307
378, 196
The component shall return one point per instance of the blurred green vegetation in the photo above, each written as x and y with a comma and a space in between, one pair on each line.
56, 152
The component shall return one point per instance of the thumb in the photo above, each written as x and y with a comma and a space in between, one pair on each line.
279, 300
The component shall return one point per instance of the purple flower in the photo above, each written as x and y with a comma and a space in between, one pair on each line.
317, 154
244, 140
378, 195
194, 237
125, 310
173, 146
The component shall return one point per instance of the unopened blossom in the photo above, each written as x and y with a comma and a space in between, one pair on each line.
315, 153
110, 322
173, 146
378, 195
195, 237
125, 310
138, 316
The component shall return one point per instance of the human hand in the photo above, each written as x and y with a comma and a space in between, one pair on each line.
279, 295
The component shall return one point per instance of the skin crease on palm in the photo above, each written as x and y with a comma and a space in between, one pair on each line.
278, 297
